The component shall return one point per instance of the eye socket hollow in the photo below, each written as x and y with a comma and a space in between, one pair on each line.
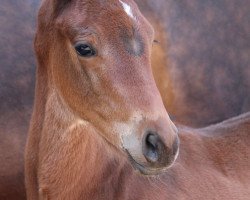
85, 50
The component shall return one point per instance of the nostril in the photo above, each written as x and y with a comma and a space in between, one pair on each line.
151, 141
151, 148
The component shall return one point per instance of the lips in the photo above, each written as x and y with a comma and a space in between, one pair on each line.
144, 170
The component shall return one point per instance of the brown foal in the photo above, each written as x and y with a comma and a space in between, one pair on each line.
98, 113
201, 72
95, 100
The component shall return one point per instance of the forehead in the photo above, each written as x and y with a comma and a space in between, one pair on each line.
105, 16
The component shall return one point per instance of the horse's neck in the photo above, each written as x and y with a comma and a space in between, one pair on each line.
82, 165
223, 148
78, 160
229, 145
207, 160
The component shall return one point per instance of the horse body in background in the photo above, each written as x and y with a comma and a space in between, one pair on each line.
202, 62
17, 78
17, 70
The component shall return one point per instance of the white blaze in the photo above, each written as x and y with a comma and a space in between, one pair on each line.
127, 9
130, 127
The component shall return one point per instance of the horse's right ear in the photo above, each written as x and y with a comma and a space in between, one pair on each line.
59, 5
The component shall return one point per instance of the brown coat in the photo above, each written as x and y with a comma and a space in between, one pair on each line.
17, 70
75, 148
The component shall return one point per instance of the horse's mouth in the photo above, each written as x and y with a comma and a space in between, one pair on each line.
144, 170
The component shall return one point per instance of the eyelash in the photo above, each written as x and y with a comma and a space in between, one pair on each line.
156, 42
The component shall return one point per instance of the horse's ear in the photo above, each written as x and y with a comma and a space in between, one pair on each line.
59, 5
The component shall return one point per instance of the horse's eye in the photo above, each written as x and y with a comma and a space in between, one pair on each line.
85, 50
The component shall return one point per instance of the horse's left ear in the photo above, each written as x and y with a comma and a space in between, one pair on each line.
59, 5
